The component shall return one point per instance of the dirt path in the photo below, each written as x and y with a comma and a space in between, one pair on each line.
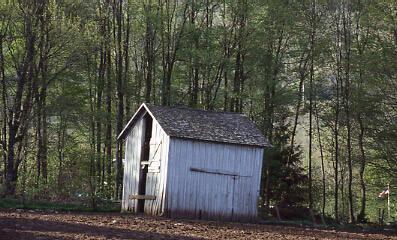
35, 225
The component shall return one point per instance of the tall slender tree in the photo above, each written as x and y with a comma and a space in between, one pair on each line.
120, 97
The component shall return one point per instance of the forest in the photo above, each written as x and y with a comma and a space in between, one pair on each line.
319, 79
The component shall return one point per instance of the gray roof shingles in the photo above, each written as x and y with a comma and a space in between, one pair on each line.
224, 127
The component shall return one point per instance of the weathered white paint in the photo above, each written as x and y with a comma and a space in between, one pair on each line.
156, 176
191, 178
133, 151
210, 195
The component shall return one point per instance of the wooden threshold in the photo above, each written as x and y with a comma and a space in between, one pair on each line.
143, 197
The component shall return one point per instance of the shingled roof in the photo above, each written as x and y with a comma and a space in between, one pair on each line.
183, 122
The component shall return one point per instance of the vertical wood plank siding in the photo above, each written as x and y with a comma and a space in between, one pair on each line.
213, 196
181, 191
133, 151
155, 181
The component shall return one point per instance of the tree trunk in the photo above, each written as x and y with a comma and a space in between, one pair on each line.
323, 202
269, 128
149, 52
361, 216
18, 118
239, 75
127, 61
347, 40
107, 161
312, 39
60, 149
170, 39
4, 110
99, 117
336, 121
120, 103
302, 76
362, 158
41, 94
194, 60
92, 122
236, 83
108, 139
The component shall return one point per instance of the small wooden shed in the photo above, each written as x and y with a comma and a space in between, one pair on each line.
183, 162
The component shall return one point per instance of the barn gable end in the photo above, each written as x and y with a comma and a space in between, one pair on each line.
155, 160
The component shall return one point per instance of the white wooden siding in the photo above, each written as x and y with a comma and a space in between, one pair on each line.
133, 151
157, 174
209, 195
155, 180
192, 178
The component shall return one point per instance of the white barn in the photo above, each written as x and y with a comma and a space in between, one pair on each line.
183, 162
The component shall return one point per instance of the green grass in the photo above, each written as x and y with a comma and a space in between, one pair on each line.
8, 203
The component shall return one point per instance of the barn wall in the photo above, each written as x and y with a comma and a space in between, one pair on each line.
211, 195
133, 150
157, 173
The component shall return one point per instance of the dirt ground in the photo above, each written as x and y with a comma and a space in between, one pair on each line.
41, 225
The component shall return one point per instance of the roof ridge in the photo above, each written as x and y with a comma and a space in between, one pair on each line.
204, 125
194, 109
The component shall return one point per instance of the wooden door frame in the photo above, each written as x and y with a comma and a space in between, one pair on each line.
144, 158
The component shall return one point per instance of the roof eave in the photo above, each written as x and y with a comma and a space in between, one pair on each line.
131, 121
263, 145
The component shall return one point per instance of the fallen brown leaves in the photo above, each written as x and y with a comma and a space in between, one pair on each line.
39, 225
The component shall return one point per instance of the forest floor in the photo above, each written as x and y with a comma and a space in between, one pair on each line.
28, 224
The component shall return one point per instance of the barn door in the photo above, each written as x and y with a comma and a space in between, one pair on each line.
214, 195
243, 207
153, 175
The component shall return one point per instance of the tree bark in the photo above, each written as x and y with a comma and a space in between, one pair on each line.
99, 115
336, 119
170, 38
107, 161
361, 45
149, 52
347, 40
60, 148
361, 216
120, 102
4, 110
18, 116
302, 76
312, 40
41, 96
323, 182
236, 104
194, 59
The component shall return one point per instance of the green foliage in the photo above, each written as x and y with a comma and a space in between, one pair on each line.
248, 56
288, 179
